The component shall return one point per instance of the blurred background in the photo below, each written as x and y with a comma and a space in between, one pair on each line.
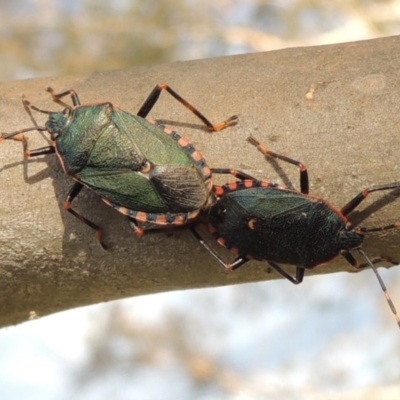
333, 337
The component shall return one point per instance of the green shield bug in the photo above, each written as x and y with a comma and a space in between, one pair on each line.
140, 168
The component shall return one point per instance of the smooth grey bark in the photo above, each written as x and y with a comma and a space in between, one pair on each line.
334, 107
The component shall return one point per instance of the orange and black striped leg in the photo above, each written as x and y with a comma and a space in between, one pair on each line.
304, 185
155, 94
19, 135
234, 172
236, 264
74, 191
40, 152
58, 96
353, 203
296, 280
134, 225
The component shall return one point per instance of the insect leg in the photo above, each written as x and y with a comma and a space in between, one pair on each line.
58, 96
155, 94
40, 152
236, 264
268, 153
296, 280
74, 191
18, 135
353, 203
135, 227
234, 172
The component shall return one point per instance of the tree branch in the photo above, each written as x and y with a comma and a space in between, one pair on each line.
335, 108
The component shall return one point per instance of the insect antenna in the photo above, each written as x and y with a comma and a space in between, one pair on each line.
388, 299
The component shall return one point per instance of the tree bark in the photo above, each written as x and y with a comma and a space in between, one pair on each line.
335, 108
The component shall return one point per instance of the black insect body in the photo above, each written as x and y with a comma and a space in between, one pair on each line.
260, 220
265, 221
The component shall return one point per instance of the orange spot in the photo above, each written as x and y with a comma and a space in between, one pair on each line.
219, 190
161, 220
218, 127
232, 185
263, 148
183, 142
179, 220
20, 137
99, 235
138, 231
206, 171
141, 216
248, 184
234, 250
221, 241
197, 156
123, 210
252, 224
